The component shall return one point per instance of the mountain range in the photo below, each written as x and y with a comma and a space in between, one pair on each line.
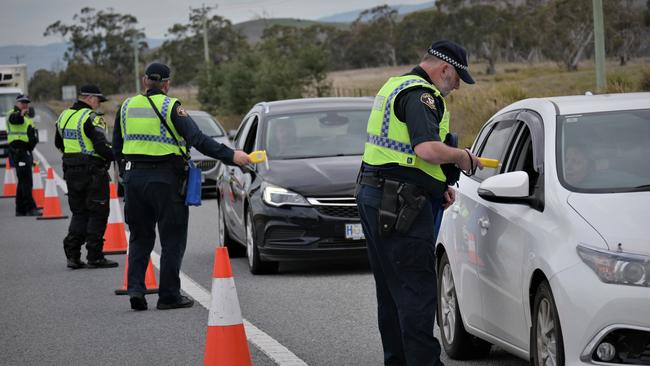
50, 56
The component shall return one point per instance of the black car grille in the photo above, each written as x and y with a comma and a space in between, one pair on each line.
205, 165
339, 211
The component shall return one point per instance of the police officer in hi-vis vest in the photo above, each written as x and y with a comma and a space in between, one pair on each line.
81, 137
401, 188
152, 133
22, 138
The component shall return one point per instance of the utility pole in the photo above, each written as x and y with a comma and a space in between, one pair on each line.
205, 35
136, 66
18, 58
599, 40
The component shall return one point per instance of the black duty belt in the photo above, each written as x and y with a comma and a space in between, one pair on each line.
372, 181
131, 165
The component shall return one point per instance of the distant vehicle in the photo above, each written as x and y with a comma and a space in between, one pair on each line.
548, 255
210, 168
13, 82
300, 204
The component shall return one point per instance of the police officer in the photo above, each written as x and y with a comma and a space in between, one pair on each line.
22, 138
81, 137
401, 188
152, 133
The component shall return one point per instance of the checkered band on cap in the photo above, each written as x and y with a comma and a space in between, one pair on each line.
447, 59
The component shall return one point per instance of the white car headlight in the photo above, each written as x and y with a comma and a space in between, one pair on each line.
617, 267
278, 196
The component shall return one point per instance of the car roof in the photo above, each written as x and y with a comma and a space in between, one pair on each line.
310, 104
578, 104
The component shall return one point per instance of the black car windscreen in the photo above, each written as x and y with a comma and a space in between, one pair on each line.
316, 134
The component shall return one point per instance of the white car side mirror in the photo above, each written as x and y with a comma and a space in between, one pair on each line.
507, 185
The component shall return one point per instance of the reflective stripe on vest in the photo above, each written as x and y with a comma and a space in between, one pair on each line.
74, 137
388, 138
18, 132
143, 131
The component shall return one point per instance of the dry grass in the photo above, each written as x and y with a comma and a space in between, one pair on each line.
472, 105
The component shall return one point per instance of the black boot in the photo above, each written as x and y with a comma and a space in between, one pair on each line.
76, 263
102, 263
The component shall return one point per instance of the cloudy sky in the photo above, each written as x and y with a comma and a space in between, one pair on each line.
23, 22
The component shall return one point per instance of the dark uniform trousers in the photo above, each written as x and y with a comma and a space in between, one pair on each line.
152, 197
405, 278
88, 197
22, 160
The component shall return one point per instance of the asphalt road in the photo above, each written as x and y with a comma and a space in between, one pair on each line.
322, 312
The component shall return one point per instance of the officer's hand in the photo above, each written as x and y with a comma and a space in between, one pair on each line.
23, 112
469, 161
449, 197
241, 158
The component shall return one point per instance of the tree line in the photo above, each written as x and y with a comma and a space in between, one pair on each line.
293, 61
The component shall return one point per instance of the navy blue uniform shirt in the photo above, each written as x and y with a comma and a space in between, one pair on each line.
187, 128
423, 124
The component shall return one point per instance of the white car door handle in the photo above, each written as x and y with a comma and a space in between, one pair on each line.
484, 223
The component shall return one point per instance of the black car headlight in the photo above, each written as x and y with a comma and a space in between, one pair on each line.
278, 196
617, 267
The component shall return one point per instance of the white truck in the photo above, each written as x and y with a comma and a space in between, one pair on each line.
13, 81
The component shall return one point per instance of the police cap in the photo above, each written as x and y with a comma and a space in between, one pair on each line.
23, 98
157, 72
92, 91
455, 55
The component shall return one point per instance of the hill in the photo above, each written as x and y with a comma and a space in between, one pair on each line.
350, 16
253, 29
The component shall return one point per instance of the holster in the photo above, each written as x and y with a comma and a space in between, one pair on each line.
401, 203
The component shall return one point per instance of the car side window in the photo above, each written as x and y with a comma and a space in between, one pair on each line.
521, 158
495, 146
240, 138
249, 144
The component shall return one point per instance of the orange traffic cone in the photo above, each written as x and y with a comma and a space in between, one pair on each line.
115, 236
149, 279
52, 205
37, 189
10, 186
225, 343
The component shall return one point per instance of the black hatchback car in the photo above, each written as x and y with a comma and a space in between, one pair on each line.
299, 205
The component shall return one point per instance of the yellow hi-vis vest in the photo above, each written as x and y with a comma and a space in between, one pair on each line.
142, 130
71, 127
388, 137
18, 132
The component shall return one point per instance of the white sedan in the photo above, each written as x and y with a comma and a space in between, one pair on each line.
548, 255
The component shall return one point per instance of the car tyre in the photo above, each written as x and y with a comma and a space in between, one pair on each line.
547, 345
458, 344
234, 248
255, 263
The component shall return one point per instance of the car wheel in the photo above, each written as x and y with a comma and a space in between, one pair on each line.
234, 249
255, 263
458, 344
546, 334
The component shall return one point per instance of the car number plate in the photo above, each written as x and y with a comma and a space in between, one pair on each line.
354, 232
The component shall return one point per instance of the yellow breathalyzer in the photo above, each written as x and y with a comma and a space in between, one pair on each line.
489, 163
258, 156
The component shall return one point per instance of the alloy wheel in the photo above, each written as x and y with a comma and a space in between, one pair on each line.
449, 304
546, 335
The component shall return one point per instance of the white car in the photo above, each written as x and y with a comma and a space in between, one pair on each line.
548, 255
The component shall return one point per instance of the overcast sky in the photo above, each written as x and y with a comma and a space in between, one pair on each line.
23, 22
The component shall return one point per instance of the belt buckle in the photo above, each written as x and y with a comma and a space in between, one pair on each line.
128, 166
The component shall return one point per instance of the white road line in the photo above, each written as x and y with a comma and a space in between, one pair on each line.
59, 181
264, 342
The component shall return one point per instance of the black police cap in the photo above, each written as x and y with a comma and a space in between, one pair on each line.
92, 91
455, 55
157, 72
23, 98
